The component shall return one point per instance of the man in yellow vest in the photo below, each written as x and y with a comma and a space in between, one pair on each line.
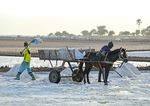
25, 65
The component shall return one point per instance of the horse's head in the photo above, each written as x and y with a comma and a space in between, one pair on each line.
118, 54
123, 55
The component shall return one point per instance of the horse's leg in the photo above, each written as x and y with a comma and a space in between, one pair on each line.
99, 75
107, 69
103, 73
84, 75
85, 72
88, 67
100, 72
88, 71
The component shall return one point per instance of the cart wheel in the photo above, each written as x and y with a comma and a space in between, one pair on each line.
77, 76
54, 76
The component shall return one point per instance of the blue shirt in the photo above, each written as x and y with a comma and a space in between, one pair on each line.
105, 49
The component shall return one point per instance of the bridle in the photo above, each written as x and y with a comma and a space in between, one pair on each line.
121, 56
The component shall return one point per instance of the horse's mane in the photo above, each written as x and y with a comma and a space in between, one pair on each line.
114, 51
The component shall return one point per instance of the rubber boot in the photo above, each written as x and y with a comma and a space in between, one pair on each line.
18, 76
31, 74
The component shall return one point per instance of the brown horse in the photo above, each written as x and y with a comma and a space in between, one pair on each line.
102, 62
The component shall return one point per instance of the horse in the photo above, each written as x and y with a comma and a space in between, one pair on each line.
102, 62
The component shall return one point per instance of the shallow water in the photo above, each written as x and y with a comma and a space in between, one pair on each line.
12, 60
35, 62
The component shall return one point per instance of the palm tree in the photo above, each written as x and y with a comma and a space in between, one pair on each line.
138, 22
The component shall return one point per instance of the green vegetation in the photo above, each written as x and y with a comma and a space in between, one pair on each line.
101, 31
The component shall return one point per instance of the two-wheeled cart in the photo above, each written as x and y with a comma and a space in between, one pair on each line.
66, 55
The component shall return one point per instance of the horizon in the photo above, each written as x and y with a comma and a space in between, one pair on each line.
41, 17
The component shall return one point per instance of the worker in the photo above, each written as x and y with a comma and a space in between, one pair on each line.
25, 65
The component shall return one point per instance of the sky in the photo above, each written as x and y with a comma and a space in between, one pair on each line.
41, 17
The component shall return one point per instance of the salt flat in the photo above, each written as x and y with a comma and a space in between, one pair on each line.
120, 91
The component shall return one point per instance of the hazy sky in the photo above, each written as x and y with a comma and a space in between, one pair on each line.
32, 17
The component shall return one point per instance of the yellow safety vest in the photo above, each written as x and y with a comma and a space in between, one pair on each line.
27, 55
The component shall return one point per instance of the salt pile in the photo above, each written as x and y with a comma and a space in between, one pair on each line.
65, 53
67, 71
14, 70
128, 70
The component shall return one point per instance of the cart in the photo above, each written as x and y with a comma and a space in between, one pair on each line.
66, 55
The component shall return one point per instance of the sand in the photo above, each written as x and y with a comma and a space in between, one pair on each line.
12, 46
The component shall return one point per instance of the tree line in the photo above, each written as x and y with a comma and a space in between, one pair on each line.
102, 31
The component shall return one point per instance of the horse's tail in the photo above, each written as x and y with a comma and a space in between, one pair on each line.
82, 62
81, 66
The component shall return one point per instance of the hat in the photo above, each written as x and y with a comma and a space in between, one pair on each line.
110, 44
25, 43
